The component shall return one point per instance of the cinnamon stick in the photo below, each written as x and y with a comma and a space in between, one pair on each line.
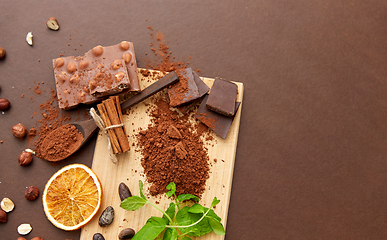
116, 118
113, 138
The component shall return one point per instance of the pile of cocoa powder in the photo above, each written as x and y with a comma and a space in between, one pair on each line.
173, 151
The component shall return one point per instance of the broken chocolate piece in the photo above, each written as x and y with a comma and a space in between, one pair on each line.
173, 132
219, 123
167, 80
202, 87
180, 150
102, 71
222, 97
185, 91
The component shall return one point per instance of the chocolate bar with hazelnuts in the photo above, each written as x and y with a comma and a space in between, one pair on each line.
101, 72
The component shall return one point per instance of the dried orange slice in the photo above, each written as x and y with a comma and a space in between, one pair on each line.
72, 197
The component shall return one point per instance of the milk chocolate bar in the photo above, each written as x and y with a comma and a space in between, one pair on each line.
102, 71
219, 123
185, 91
222, 97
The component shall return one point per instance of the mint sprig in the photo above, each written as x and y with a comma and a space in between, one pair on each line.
194, 220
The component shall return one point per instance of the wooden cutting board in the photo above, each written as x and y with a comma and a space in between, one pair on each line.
130, 171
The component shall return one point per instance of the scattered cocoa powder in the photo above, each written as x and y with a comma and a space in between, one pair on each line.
173, 151
163, 61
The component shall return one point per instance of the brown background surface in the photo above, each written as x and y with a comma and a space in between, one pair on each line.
311, 157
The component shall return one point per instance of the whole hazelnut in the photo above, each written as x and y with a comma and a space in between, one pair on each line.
31, 193
52, 24
19, 130
3, 216
4, 104
25, 158
2, 53
37, 238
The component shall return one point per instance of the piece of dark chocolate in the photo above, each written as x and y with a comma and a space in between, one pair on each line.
185, 91
219, 123
102, 71
222, 97
202, 87
164, 82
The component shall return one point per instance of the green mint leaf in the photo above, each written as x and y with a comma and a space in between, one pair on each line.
184, 197
170, 234
216, 226
196, 208
172, 189
215, 202
185, 218
153, 227
186, 238
170, 212
141, 185
133, 203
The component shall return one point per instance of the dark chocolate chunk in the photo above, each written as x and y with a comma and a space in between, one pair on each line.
202, 87
222, 97
219, 123
166, 81
185, 91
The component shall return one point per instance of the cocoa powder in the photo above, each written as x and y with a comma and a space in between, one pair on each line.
60, 143
173, 151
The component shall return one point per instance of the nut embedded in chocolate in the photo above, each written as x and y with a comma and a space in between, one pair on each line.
19, 130
52, 24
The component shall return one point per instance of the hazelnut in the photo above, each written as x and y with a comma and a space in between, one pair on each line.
59, 62
37, 238
124, 45
31, 193
25, 158
3, 216
116, 64
24, 229
21, 238
52, 24
83, 64
97, 51
71, 67
29, 38
7, 205
4, 104
19, 130
127, 57
2, 53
